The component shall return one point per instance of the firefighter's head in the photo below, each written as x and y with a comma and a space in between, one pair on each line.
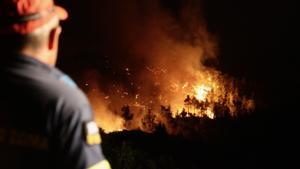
31, 28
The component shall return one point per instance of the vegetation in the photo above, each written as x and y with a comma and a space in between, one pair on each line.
225, 143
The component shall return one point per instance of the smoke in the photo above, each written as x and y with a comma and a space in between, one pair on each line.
104, 116
157, 61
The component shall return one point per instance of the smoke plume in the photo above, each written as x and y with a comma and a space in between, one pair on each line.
155, 73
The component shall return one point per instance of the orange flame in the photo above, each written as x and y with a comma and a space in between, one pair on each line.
201, 92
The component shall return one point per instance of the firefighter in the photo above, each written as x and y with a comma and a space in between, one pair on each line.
45, 119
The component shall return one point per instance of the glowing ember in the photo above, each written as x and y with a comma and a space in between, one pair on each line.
205, 94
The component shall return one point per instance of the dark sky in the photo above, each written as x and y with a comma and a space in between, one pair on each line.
256, 40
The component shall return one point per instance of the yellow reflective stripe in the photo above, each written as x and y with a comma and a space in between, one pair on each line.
93, 139
101, 165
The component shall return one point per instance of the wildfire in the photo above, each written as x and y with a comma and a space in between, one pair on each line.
208, 94
201, 92
205, 94
210, 114
163, 78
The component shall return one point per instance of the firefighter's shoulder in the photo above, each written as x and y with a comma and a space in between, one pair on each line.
62, 93
70, 99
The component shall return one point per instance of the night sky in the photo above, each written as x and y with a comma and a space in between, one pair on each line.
256, 41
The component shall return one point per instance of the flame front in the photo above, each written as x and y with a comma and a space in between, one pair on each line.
208, 94
191, 91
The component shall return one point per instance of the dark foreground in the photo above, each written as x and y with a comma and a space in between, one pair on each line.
255, 142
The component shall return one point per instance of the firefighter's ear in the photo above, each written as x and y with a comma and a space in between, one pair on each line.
54, 38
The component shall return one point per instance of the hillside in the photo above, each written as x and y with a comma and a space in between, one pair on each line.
245, 143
